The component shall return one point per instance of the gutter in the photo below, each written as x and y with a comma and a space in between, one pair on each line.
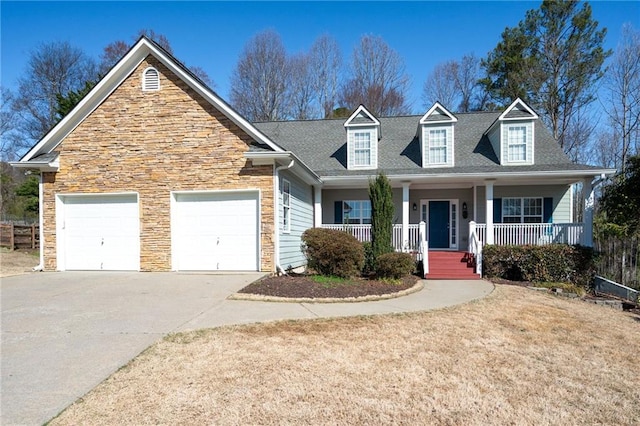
276, 216
483, 175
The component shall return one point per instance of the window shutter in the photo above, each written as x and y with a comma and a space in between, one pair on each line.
547, 210
338, 212
497, 210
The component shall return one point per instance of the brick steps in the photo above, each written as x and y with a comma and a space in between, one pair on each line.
451, 265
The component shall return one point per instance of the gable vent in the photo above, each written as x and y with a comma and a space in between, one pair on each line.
150, 79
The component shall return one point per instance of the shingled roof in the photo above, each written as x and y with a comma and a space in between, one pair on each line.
322, 145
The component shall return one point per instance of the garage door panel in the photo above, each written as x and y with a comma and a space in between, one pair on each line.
101, 232
216, 231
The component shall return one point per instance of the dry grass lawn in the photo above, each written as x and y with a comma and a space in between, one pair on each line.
516, 357
17, 262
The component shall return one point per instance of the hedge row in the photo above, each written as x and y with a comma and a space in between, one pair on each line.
550, 263
337, 253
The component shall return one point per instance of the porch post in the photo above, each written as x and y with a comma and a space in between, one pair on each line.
489, 211
475, 202
405, 214
588, 194
317, 206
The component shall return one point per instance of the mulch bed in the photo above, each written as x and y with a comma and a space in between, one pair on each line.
302, 286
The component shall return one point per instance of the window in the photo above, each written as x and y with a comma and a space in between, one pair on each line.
438, 146
362, 148
517, 143
150, 79
522, 210
356, 212
286, 206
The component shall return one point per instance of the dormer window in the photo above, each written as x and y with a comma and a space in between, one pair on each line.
512, 134
436, 137
437, 146
517, 143
362, 148
363, 131
150, 80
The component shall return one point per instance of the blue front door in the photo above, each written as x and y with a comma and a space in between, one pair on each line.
438, 224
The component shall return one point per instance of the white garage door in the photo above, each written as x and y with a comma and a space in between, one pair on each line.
101, 232
215, 231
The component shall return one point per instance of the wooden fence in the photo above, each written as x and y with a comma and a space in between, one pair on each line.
19, 236
619, 260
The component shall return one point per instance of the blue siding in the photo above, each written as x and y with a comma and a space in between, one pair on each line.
301, 220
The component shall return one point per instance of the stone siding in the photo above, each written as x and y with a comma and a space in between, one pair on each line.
152, 143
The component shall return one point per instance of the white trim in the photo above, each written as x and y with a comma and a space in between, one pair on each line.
470, 177
43, 166
502, 118
515, 103
41, 220
268, 158
173, 200
438, 105
60, 222
317, 206
115, 77
364, 110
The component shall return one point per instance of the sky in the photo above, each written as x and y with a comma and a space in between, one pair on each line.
212, 35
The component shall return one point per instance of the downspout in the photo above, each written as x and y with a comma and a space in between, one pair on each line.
276, 216
40, 266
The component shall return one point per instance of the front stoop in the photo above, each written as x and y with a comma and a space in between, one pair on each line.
451, 265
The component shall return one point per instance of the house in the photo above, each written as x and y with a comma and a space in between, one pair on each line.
153, 171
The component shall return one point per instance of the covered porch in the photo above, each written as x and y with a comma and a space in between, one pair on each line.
464, 216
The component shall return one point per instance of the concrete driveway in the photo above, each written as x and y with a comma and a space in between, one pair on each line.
64, 333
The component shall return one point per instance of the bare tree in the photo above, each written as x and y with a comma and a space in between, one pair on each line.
377, 78
455, 84
467, 78
623, 105
301, 88
114, 51
11, 144
325, 63
259, 82
601, 150
111, 54
54, 69
441, 86
579, 134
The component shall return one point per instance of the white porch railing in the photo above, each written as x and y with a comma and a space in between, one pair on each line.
475, 245
532, 233
363, 234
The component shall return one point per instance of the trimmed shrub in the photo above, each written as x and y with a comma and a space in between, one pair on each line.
332, 252
555, 262
394, 265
